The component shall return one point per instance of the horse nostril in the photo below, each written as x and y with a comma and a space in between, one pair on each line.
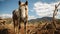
25, 8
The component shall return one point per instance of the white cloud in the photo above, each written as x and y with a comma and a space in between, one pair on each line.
44, 9
31, 17
58, 15
10, 16
6, 15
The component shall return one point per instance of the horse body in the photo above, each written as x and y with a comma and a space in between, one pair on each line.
20, 15
15, 17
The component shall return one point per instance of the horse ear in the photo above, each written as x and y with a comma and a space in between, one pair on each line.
19, 2
26, 2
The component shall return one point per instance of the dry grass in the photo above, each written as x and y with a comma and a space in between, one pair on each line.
31, 29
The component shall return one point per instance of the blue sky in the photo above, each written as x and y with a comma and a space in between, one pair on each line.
7, 6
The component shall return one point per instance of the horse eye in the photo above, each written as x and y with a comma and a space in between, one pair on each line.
25, 8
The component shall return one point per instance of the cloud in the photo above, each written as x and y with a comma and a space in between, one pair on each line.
10, 16
6, 15
45, 9
49, 1
58, 15
31, 17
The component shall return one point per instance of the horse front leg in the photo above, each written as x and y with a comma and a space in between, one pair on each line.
14, 25
25, 21
19, 25
25, 27
14, 28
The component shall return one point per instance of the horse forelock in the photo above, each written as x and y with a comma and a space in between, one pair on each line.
22, 4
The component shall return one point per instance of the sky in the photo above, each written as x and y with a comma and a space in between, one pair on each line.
37, 8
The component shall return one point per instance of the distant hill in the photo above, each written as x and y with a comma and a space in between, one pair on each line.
41, 19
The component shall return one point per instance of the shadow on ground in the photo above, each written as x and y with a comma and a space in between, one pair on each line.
4, 31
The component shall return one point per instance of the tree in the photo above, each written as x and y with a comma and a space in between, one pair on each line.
54, 14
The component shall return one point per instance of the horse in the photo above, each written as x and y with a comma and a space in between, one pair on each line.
20, 15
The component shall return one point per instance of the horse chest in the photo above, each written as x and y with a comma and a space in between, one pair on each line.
20, 14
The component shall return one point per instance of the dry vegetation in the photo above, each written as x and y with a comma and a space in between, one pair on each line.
36, 28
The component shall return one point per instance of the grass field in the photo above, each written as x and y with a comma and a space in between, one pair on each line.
35, 28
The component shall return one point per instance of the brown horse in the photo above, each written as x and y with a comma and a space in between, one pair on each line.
20, 15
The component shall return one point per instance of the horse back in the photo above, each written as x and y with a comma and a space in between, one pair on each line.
16, 14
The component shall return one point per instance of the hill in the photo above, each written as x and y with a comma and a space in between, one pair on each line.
43, 19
